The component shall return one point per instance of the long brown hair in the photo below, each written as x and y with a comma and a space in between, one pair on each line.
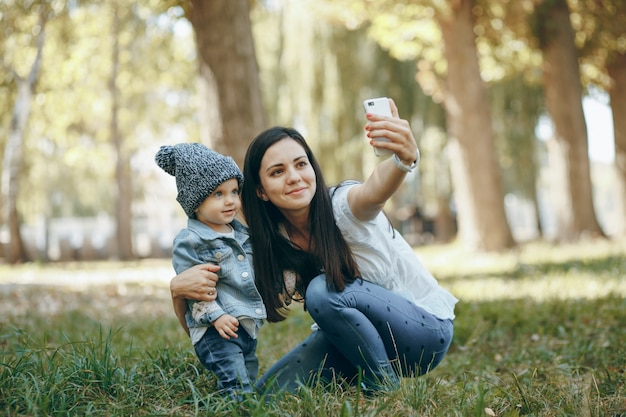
329, 253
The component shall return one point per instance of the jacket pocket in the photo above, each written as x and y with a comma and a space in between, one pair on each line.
224, 257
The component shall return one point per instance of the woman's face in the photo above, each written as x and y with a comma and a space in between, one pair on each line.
287, 177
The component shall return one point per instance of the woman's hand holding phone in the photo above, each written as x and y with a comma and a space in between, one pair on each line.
379, 106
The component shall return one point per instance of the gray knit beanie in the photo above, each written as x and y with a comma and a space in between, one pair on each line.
198, 171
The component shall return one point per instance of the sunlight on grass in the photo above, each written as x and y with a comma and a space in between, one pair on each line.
79, 274
550, 288
540, 271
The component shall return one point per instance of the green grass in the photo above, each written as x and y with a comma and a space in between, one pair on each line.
539, 332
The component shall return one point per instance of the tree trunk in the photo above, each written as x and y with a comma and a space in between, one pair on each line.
569, 152
617, 93
537, 211
13, 152
123, 201
231, 106
482, 222
445, 229
11, 167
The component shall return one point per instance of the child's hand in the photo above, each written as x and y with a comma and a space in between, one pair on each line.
226, 326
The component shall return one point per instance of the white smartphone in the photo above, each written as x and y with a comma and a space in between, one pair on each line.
381, 107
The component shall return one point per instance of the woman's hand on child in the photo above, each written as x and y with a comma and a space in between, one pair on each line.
196, 283
226, 325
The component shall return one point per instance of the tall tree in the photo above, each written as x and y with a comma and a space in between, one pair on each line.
13, 152
617, 92
563, 96
475, 172
231, 106
603, 57
123, 200
517, 107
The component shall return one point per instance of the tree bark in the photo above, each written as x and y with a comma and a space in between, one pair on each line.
476, 176
123, 180
617, 93
569, 151
11, 167
13, 152
231, 106
445, 229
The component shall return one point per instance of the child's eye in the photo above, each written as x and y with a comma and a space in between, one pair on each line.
218, 194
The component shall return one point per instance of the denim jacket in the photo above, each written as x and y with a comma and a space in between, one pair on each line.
237, 294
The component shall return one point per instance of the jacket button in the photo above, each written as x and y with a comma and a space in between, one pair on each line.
258, 311
245, 274
241, 257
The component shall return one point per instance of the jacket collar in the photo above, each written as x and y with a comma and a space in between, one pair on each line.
205, 232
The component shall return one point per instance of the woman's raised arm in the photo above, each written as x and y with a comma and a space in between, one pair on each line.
367, 200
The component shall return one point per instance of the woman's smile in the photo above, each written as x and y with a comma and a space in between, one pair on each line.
297, 191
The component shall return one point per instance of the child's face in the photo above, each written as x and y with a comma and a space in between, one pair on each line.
220, 208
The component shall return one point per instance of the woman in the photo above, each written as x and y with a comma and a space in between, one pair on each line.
379, 313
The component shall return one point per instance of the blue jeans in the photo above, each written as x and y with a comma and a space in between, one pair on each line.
365, 330
233, 361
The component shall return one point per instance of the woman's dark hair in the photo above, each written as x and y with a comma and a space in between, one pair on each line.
328, 251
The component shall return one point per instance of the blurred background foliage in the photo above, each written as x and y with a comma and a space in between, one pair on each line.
90, 90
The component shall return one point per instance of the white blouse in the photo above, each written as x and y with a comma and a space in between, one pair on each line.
386, 259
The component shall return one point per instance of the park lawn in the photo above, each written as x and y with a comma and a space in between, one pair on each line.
539, 332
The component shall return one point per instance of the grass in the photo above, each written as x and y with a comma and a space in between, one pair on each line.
539, 332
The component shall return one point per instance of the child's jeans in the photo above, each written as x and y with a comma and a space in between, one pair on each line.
233, 361
364, 327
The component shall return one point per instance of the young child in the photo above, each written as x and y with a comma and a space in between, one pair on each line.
224, 331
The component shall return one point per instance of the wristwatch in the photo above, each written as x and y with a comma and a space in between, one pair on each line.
404, 167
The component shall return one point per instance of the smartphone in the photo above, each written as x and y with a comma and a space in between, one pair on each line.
379, 106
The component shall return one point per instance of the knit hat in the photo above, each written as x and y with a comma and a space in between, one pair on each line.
198, 171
